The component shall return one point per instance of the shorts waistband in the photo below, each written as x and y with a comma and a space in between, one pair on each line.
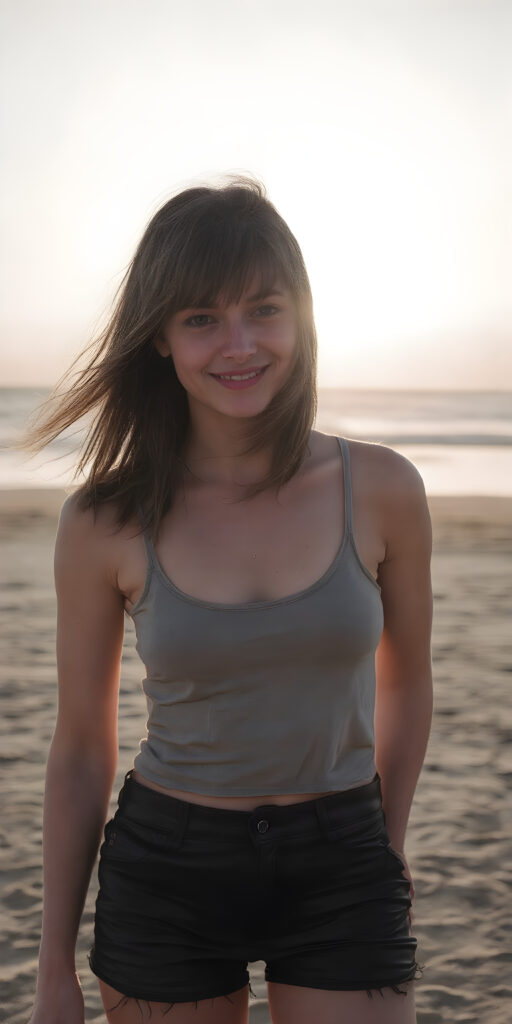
265, 823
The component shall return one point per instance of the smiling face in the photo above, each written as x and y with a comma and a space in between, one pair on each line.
206, 343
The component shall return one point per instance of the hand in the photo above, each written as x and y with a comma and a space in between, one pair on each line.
60, 1003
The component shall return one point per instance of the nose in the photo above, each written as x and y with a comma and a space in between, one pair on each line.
238, 339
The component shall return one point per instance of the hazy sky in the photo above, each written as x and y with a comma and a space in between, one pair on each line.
382, 132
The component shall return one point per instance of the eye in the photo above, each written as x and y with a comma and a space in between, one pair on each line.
273, 309
198, 316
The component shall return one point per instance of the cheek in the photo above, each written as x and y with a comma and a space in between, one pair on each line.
287, 340
188, 360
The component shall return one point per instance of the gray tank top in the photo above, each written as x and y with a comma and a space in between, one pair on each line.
264, 697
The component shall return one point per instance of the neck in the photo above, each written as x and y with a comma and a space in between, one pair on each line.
214, 450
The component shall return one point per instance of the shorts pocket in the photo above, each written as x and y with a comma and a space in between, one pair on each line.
361, 830
122, 842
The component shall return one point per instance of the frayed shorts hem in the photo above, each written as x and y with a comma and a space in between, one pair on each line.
333, 985
228, 986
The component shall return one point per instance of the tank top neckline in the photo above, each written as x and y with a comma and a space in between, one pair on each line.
153, 562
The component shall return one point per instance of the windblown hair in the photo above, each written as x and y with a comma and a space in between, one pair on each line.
203, 243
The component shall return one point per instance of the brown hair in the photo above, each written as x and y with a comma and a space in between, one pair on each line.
203, 242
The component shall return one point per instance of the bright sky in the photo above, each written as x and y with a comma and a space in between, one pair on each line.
381, 131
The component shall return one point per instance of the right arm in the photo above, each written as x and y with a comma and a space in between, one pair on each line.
83, 755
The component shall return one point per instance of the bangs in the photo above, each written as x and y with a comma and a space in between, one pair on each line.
219, 261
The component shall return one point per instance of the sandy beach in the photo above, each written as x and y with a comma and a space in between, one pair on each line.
459, 840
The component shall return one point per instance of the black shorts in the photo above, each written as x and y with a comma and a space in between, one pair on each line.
190, 894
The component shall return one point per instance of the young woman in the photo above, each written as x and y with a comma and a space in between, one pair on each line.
279, 583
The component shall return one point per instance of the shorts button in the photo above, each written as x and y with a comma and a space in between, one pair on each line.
262, 825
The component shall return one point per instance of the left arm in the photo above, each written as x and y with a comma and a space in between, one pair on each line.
403, 706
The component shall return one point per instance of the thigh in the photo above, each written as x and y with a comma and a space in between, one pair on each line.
228, 1009
303, 1005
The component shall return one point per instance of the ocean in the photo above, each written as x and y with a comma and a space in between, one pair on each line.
460, 441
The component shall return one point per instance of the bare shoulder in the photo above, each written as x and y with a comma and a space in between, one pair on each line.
395, 488
73, 513
84, 537
392, 472
393, 477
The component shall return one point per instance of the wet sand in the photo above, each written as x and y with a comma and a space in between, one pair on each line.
459, 840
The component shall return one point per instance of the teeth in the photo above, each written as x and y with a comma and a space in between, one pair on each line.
246, 376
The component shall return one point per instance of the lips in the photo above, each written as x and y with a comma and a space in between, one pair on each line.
240, 373
249, 379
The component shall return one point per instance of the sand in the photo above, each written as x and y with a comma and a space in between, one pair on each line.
460, 834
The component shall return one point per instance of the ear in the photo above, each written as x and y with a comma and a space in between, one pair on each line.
161, 345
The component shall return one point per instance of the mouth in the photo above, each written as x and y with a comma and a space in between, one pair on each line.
239, 381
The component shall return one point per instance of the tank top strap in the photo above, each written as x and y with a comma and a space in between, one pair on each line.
347, 484
150, 551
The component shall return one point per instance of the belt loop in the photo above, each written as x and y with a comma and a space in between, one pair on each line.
122, 791
376, 781
181, 823
322, 815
